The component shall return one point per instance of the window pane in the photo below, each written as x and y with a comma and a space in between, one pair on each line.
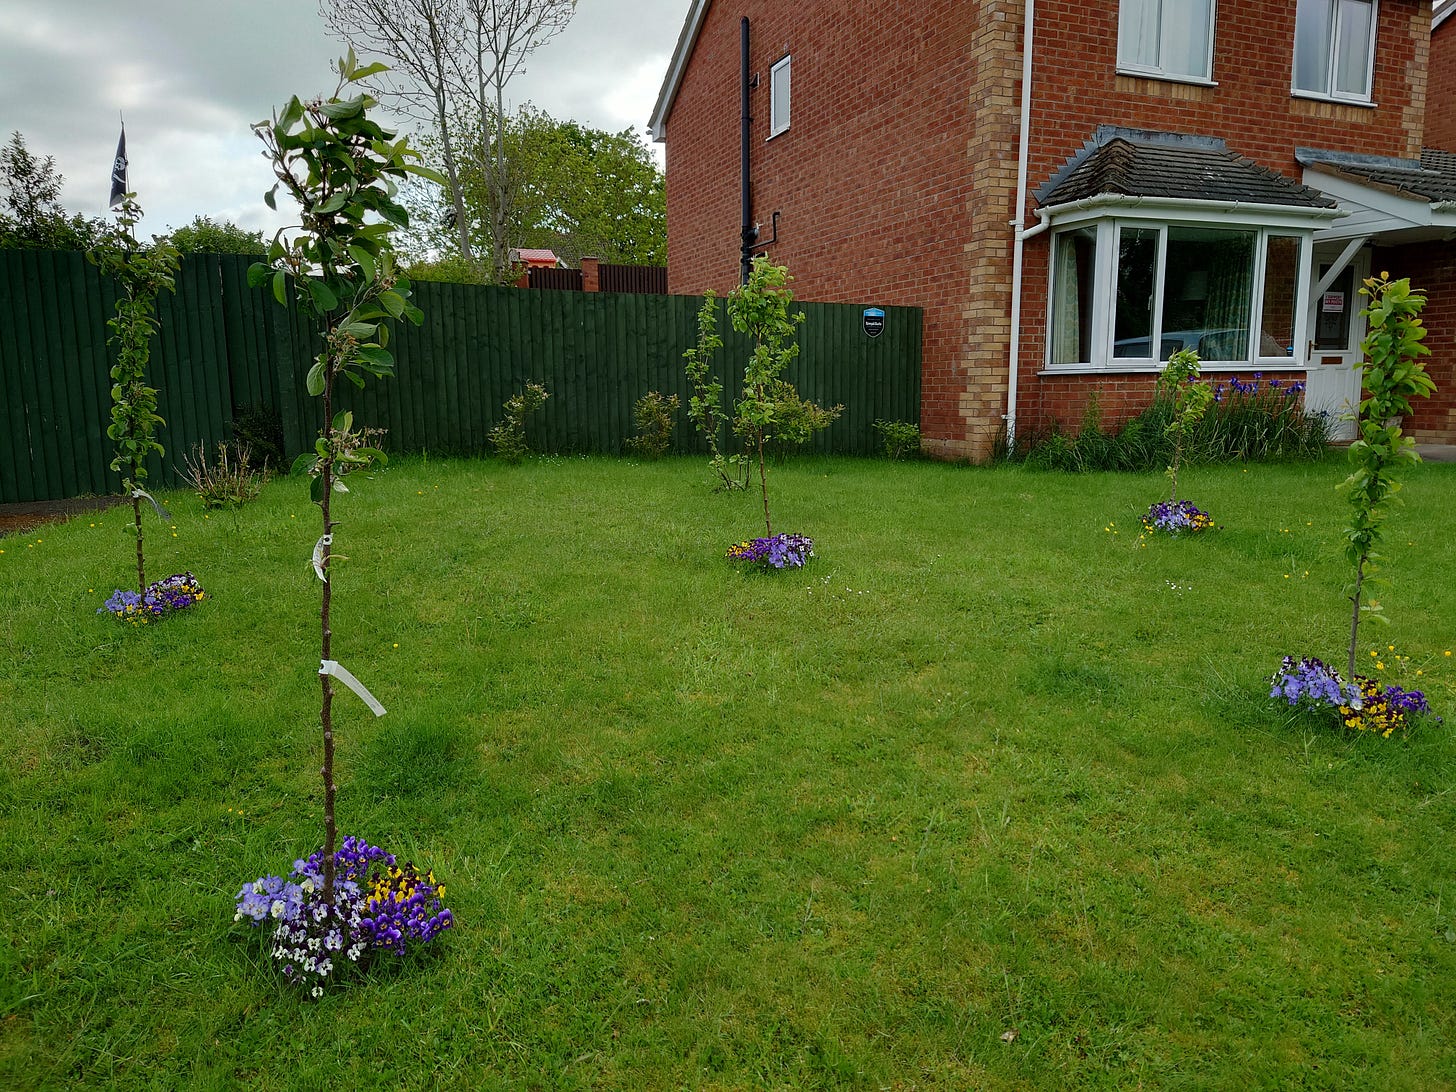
1281, 291
1332, 312
779, 96
1186, 25
1208, 292
1137, 270
1138, 33
1071, 319
1352, 47
1313, 30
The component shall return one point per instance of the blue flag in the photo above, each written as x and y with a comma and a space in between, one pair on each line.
118, 171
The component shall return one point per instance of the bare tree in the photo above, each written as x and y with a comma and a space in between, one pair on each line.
499, 36
456, 58
418, 39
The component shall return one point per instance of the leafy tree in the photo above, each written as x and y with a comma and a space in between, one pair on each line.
31, 214
204, 235
141, 272
341, 168
1392, 376
770, 407
1190, 400
453, 61
575, 190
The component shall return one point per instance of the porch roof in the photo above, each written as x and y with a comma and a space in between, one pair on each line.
1392, 200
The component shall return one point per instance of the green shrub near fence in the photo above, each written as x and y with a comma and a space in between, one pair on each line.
225, 347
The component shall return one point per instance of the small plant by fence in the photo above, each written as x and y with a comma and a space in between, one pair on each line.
224, 351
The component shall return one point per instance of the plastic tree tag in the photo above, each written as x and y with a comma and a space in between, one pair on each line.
162, 513
333, 667
318, 556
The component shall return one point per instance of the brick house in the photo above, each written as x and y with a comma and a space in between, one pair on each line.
1218, 175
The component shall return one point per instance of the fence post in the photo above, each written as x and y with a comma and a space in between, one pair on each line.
591, 274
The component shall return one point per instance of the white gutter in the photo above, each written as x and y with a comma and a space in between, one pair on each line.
1022, 233
1277, 215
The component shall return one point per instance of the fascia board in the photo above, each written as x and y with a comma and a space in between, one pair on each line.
1400, 209
676, 67
1243, 213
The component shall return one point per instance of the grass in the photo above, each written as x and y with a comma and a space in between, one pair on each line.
988, 796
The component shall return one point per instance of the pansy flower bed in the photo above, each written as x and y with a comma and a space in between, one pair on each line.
379, 906
783, 551
162, 597
1176, 517
1363, 706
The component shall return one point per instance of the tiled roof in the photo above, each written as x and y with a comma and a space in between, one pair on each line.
1433, 179
535, 256
1198, 170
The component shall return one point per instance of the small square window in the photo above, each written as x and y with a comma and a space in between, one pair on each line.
778, 81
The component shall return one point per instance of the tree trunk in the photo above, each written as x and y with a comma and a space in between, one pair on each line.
136, 517
326, 710
1355, 618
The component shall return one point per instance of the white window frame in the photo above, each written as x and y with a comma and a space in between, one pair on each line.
1104, 291
1158, 72
780, 73
1328, 93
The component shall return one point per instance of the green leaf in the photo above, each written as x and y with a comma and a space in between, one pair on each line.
291, 113
323, 296
305, 463
316, 490
364, 73
315, 380
258, 274
378, 360
365, 261
342, 111
270, 198
343, 421
280, 287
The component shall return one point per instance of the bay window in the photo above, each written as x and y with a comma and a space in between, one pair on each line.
1127, 294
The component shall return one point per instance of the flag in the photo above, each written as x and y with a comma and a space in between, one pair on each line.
118, 171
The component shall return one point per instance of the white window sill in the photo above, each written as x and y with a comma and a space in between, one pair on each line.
776, 133
1166, 77
1315, 96
1144, 367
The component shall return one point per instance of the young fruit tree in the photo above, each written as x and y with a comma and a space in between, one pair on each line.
142, 271
342, 169
1392, 376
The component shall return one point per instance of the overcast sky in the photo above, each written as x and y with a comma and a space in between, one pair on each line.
191, 76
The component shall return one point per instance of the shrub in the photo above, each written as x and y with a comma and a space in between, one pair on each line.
654, 414
509, 436
230, 481
898, 439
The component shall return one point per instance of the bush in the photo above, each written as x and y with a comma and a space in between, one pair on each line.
509, 436
230, 480
655, 414
899, 439
1250, 421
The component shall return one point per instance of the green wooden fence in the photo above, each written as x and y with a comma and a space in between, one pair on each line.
224, 347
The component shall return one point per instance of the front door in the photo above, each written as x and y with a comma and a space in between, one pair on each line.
1334, 348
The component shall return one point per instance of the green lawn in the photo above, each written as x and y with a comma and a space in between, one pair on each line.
988, 796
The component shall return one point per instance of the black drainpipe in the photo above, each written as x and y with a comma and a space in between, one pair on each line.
750, 232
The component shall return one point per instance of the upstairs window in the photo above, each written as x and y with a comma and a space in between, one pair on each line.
1334, 48
1171, 39
778, 83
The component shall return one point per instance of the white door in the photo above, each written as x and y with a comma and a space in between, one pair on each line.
1334, 349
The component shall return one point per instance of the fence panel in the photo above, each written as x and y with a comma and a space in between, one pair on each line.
224, 347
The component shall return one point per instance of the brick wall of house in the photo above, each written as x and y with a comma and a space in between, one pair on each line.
896, 180
1251, 109
1441, 87
1431, 267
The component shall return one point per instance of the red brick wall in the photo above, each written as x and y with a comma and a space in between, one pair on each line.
896, 179
1441, 88
1431, 267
